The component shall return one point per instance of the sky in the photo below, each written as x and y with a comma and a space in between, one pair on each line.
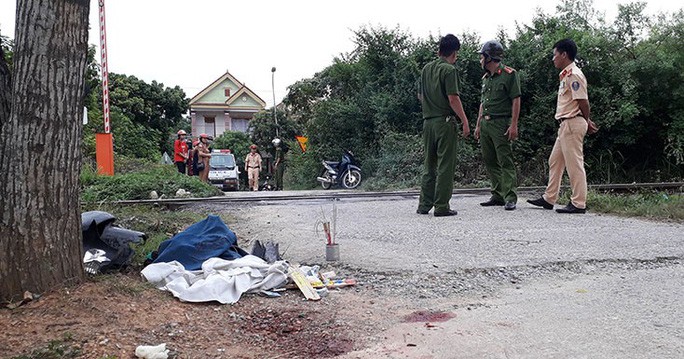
192, 43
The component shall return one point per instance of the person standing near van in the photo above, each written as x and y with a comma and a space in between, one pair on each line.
253, 167
190, 161
203, 155
279, 164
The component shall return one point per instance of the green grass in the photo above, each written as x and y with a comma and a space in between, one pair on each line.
114, 283
652, 205
56, 349
649, 205
164, 179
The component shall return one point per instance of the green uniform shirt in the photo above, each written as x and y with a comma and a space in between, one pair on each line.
438, 80
498, 91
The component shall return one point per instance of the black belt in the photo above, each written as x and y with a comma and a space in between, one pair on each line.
252, 166
567, 118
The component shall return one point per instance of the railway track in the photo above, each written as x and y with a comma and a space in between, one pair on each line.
236, 197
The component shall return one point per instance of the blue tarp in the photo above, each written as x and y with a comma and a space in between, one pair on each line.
206, 239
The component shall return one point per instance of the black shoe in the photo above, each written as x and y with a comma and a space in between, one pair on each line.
509, 206
492, 202
422, 211
450, 212
570, 208
540, 202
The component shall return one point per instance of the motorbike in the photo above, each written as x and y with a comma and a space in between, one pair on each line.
346, 172
267, 185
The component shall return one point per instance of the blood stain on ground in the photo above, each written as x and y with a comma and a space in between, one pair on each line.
428, 316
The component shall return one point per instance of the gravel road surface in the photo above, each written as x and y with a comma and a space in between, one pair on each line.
529, 283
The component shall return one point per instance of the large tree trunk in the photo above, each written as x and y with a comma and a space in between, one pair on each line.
5, 88
40, 153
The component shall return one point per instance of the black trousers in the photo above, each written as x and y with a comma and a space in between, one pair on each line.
181, 166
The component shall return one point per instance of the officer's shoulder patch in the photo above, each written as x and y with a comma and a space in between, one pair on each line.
575, 85
509, 70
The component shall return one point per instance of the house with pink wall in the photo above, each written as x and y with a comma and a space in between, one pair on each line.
225, 105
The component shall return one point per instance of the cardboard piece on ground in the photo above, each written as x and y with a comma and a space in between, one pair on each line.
336, 283
302, 283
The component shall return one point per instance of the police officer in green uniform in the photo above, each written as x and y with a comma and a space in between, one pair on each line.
497, 124
439, 95
279, 164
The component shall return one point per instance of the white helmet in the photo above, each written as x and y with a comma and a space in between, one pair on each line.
276, 141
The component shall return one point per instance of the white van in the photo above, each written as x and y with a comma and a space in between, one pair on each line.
223, 170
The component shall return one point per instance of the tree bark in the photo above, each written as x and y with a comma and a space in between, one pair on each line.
40, 153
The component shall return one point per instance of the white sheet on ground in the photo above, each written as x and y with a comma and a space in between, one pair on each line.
219, 279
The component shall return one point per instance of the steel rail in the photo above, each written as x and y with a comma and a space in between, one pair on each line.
330, 195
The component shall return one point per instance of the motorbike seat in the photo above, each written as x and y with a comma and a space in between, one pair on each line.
332, 164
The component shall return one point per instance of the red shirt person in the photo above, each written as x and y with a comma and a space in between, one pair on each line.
180, 151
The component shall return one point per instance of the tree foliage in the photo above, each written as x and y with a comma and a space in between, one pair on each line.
237, 142
153, 106
263, 129
6, 47
144, 117
364, 95
366, 99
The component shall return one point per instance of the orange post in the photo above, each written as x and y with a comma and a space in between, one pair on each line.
104, 153
104, 145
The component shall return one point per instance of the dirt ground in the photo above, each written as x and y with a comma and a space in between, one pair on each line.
110, 316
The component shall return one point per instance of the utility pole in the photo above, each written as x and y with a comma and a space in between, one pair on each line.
105, 67
275, 117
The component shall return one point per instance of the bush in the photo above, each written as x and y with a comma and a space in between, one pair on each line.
398, 164
237, 142
302, 169
123, 164
88, 174
470, 169
164, 179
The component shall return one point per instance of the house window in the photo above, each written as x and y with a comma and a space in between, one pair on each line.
227, 91
240, 124
210, 126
